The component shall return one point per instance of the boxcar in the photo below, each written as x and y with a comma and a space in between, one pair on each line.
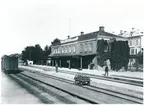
9, 64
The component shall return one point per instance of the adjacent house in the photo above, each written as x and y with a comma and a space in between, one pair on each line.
134, 38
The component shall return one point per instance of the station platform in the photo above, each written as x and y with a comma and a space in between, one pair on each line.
13, 93
97, 82
123, 74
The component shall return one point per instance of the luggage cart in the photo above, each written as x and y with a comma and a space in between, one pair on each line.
82, 80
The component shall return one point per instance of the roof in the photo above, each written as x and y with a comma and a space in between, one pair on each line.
134, 36
94, 34
8, 56
88, 36
132, 33
91, 35
109, 34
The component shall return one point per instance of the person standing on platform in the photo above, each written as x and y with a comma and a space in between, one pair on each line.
56, 67
106, 71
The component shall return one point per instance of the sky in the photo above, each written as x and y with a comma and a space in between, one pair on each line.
30, 22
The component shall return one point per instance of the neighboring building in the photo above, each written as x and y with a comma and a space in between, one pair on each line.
80, 51
134, 44
134, 38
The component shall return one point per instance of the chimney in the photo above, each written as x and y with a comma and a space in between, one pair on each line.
101, 28
68, 36
82, 33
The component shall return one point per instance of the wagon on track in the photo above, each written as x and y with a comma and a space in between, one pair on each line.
9, 64
82, 80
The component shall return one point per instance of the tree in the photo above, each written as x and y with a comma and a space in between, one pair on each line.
119, 55
140, 57
102, 56
56, 41
34, 53
46, 52
27, 53
38, 54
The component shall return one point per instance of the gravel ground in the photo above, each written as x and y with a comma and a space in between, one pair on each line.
13, 93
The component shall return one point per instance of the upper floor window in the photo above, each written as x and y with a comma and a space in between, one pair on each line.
62, 49
132, 51
74, 49
81, 47
135, 51
137, 42
65, 49
130, 42
69, 49
58, 50
90, 47
85, 47
54, 51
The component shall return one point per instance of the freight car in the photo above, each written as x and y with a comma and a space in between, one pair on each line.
9, 64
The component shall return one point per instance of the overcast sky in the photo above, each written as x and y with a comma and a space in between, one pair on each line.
30, 22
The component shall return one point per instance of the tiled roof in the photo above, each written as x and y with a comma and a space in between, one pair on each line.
109, 34
87, 36
94, 34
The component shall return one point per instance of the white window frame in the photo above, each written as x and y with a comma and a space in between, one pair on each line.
90, 47
74, 48
85, 47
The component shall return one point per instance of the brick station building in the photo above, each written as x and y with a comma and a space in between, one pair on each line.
80, 51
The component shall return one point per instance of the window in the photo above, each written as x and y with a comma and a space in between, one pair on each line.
65, 49
130, 42
62, 50
137, 42
58, 50
90, 47
54, 51
132, 51
81, 47
135, 51
74, 49
69, 49
85, 47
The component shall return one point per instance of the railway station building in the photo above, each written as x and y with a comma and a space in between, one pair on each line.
80, 51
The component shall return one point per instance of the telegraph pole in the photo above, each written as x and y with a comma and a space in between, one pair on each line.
69, 26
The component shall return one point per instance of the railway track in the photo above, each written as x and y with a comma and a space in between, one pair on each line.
113, 79
47, 93
106, 92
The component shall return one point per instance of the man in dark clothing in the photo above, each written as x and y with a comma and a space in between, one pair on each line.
106, 70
